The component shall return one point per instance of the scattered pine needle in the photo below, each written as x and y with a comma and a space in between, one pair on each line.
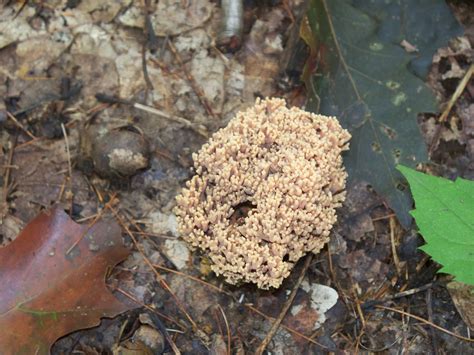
166, 335
20, 126
459, 90
261, 348
227, 329
248, 306
94, 221
149, 263
426, 322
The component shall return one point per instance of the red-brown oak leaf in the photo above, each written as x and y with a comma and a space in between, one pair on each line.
47, 292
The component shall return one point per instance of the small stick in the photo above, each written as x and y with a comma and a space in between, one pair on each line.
7, 166
160, 325
248, 306
94, 221
291, 330
447, 110
114, 100
150, 264
285, 307
19, 125
68, 152
426, 322
199, 92
227, 329
394, 247
69, 179
430, 318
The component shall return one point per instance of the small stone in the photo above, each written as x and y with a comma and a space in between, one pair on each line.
152, 338
177, 252
120, 153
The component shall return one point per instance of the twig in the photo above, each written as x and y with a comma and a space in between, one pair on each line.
248, 306
151, 38
199, 92
114, 100
149, 263
161, 327
358, 307
449, 106
149, 85
285, 307
19, 125
430, 318
89, 226
396, 261
410, 292
22, 6
68, 152
426, 322
6, 176
291, 330
383, 217
192, 278
227, 329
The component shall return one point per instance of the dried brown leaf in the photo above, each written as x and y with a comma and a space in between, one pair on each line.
50, 292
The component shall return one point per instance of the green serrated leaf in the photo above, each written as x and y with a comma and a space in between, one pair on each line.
367, 80
445, 216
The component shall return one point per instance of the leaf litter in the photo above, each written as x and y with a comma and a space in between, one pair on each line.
199, 82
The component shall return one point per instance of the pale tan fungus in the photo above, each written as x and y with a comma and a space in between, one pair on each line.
265, 192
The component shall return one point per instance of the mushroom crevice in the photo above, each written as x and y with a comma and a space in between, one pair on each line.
265, 192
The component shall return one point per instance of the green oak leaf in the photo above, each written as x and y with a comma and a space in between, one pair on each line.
375, 87
445, 217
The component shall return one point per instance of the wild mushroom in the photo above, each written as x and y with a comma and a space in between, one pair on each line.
265, 192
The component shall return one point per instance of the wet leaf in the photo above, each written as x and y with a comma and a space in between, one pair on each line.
50, 292
374, 86
445, 216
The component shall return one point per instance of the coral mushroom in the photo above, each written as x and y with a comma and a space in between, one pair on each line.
265, 192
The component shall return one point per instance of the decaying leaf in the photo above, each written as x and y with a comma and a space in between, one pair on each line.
374, 86
463, 298
49, 292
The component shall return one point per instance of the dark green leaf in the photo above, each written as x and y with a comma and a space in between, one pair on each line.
368, 80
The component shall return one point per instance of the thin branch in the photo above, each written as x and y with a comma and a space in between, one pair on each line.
19, 125
285, 307
449, 106
154, 311
426, 322
227, 329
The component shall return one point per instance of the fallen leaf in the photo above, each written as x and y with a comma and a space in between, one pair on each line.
463, 298
374, 87
52, 292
